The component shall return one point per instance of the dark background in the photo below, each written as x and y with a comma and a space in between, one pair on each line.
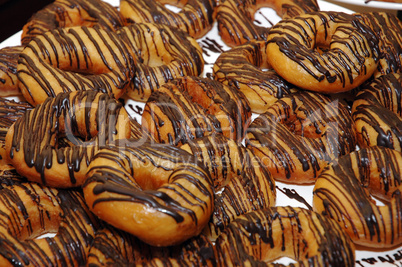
15, 13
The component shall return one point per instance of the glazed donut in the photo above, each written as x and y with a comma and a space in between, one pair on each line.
342, 192
29, 210
246, 67
87, 119
299, 134
327, 52
162, 54
78, 58
242, 183
112, 247
195, 17
69, 13
388, 28
236, 17
377, 112
8, 70
191, 107
261, 237
159, 193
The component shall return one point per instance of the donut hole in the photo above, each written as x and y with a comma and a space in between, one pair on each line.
153, 50
173, 8
264, 16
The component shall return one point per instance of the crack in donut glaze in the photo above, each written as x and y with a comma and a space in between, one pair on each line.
69, 13
73, 59
342, 192
8, 70
327, 52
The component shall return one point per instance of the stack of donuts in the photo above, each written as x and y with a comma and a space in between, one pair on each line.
191, 179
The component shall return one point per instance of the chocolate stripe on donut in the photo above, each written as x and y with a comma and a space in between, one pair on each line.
8, 70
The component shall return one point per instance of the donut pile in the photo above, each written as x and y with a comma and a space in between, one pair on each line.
193, 183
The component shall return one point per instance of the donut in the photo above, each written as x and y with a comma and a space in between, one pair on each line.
246, 67
388, 28
87, 120
158, 193
162, 53
242, 183
191, 107
327, 52
377, 112
196, 17
235, 18
112, 247
29, 210
299, 134
8, 70
77, 58
69, 13
260, 237
343, 192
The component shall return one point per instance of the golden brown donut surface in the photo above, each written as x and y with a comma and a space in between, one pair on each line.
236, 17
299, 134
87, 120
343, 192
69, 13
191, 107
162, 54
195, 17
246, 67
72, 59
159, 193
8, 70
327, 52
259, 238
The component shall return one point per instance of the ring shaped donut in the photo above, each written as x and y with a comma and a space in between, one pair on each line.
196, 17
343, 192
159, 193
242, 183
86, 120
29, 210
246, 67
377, 112
70, 13
327, 52
299, 134
77, 58
162, 54
8, 70
260, 237
235, 18
191, 107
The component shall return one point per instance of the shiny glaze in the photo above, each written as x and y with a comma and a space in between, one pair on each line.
299, 134
74, 59
192, 107
377, 112
195, 17
343, 190
69, 13
260, 237
246, 67
162, 54
236, 18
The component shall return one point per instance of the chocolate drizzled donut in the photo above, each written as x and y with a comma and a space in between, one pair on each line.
191, 107
162, 54
246, 67
236, 17
342, 192
87, 119
195, 17
377, 112
327, 52
69, 13
73, 59
299, 134
8, 70
159, 193
260, 237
